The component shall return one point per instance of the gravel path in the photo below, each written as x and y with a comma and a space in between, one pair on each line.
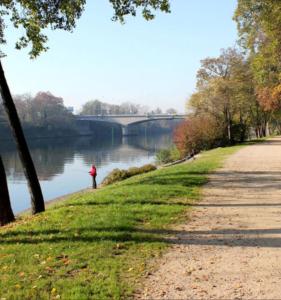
231, 248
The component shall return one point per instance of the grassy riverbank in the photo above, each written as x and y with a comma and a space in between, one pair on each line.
96, 245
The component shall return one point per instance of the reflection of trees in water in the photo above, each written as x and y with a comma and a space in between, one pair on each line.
156, 127
152, 143
103, 157
108, 151
51, 155
96, 151
124, 149
49, 159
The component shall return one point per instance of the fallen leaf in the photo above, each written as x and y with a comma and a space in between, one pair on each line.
66, 261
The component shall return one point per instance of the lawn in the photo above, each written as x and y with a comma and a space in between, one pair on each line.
97, 245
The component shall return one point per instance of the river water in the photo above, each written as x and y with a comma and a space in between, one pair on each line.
63, 164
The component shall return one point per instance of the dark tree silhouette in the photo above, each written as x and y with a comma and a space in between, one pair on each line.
37, 201
6, 213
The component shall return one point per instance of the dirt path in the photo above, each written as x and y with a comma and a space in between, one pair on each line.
231, 249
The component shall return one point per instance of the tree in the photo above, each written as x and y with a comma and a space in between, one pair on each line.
93, 107
217, 72
225, 90
50, 111
128, 108
23, 105
259, 27
37, 201
171, 111
44, 111
96, 107
6, 213
158, 111
197, 133
33, 17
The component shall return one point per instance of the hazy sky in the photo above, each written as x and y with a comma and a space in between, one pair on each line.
151, 63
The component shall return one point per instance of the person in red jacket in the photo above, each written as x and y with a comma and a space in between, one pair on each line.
93, 173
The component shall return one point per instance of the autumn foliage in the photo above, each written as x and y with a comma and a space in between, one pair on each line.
197, 133
270, 98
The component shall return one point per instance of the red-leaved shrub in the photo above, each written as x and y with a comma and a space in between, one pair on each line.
197, 133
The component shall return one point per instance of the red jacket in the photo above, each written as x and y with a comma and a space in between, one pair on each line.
93, 171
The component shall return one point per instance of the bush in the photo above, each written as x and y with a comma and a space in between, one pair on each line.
175, 153
198, 133
133, 171
115, 175
163, 156
168, 155
119, 175
147, 168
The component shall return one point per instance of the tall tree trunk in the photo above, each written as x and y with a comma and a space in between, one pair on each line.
228, 120
6, 213
37, 201
257, 132
242, 127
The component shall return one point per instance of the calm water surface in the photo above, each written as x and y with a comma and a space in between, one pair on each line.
63, 164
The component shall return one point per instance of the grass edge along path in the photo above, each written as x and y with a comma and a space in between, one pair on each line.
97, 245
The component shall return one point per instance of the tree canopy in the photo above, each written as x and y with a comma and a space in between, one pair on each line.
259, 27
33, 16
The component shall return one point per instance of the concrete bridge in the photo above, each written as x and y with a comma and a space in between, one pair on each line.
127, 120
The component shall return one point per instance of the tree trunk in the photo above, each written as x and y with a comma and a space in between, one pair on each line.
6, 213
37, 201
228, 120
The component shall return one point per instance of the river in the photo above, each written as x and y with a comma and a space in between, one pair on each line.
63, 164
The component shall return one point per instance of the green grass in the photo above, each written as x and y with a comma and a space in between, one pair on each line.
97, 245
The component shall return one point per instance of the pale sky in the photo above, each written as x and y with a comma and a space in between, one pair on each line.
150, 63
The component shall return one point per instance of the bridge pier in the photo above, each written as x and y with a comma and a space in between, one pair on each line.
125, 131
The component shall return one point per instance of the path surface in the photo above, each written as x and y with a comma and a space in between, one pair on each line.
231, 248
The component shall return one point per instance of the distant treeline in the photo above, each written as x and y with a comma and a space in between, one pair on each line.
45, 115
42, 115
96, 107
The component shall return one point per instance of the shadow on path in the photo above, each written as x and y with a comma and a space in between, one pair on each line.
226, 237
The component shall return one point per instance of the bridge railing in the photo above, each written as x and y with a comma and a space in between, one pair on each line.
103, 116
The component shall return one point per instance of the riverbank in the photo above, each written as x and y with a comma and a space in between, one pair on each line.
99, 244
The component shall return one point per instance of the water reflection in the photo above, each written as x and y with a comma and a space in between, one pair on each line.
62, 164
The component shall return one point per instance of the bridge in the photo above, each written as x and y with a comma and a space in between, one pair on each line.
130, 119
